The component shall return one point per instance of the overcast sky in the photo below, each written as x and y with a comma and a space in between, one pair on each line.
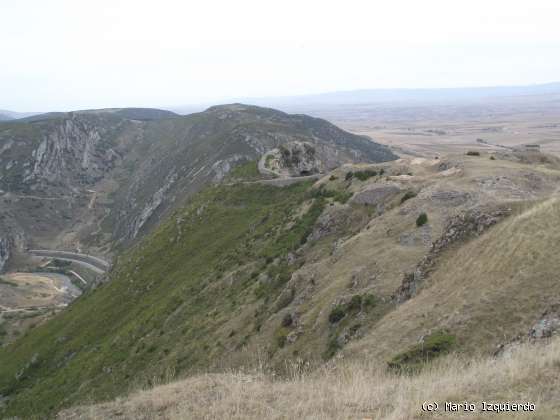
62, 54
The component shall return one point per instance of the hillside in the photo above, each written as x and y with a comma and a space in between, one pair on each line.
355, 390
255, 275
97, 179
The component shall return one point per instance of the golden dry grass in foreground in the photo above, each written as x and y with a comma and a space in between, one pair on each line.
530, 373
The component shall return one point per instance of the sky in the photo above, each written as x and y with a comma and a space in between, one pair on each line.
63, 55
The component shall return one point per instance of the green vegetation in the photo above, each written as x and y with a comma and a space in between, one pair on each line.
433, 345
342, 320
281, 336
422, 219
332, 347
349, 176
473, 153
171, 304
247, 171
337, 314
269, 158
356, 304
337, 195
365, 175
408, 195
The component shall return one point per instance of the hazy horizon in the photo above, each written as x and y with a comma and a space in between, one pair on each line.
65, 56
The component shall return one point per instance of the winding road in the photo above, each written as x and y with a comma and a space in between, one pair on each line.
96, 264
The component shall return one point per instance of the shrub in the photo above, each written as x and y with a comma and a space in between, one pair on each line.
287, 321
369, 300
355, 303
422, 219
281, 336
332, 347
269, 158
349, 176
340, 196
408, 195
332, 178
415, 357
364, 175
473, 153
337, 314
492, 158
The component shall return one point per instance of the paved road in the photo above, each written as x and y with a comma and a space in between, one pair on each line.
282, 182
89, 261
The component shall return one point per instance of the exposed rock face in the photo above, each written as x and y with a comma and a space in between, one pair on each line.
300, 158
461, 227
67, 152
376, 195
12, 239
547, 326
450, 198
130, 167
153, 204
333, 219
4, 252
421, 236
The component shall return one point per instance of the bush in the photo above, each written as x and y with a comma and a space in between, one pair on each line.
415, 357
337, 314
332, 347
349, 176
369, 300
492, 158
287, 321
473, 153
355, 304
408, 195
281, 336
332, 178
340, 196
422, 219
364, 175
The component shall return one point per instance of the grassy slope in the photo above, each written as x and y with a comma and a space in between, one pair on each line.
486, 292
206, 318
354, 391
170, 305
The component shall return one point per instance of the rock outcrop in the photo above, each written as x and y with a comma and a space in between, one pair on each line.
102, 177
4, 252
459, 228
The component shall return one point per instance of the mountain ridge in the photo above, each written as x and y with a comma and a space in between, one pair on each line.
133, 165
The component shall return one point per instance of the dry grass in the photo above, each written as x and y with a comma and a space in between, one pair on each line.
529, 373
486, 292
